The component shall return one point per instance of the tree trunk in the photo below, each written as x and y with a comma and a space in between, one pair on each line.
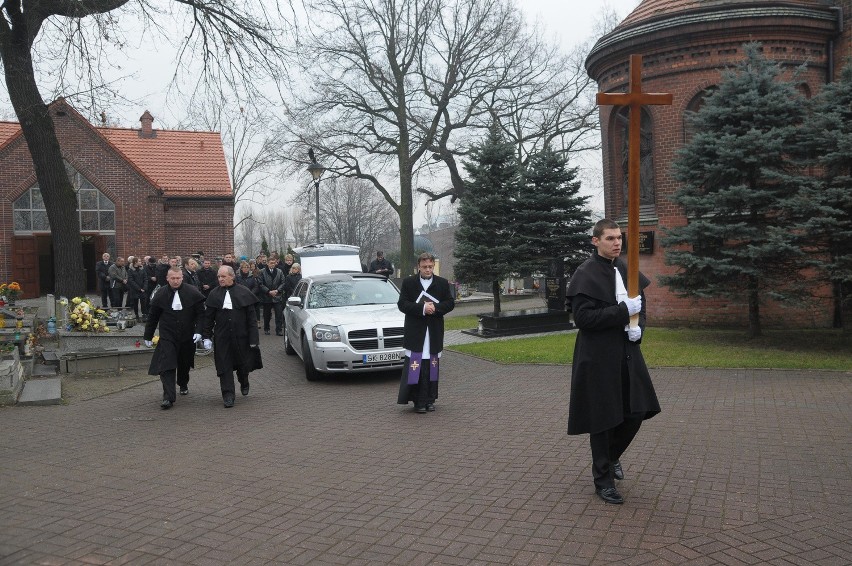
60, 200
753, 309
495, 290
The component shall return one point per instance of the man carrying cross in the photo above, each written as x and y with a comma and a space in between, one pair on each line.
424, 298
611, 389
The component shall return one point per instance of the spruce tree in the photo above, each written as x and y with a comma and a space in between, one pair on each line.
826, 202
484, 238
552, 220
738, 191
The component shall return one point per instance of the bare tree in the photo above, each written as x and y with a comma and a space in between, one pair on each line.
403, 85
353, 213
247, 235
251, 150
229, 45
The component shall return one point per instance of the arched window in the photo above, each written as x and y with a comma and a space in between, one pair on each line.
694, 106
97, 212
647, 182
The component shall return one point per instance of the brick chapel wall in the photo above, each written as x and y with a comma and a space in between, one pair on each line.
193, 225
684, 71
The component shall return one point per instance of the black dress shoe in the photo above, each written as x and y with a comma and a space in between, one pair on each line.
419, 409
229, 400
184, 390
430, 407
279, 334
610, 495
266, 332
166, 404
244, 390
617, 471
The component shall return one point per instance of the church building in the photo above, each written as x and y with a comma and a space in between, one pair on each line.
139, 192
685, 44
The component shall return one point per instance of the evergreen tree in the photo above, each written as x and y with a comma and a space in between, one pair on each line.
826, 203
552, 220
264, 246
484, 238
738, 190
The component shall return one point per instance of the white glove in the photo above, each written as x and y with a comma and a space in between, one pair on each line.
207, 343
634, 305
634, 333
196, 337
149, 344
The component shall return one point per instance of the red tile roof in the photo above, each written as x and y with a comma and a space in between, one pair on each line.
652, 9
181, 163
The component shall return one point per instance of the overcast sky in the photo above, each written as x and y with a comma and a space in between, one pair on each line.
568, 21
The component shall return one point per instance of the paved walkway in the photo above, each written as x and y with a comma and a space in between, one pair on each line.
742, 467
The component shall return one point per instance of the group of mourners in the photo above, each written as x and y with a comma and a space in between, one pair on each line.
611, 389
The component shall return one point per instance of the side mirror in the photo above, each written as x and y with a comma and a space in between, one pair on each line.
294, 301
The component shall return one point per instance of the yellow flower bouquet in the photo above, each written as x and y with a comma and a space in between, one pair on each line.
84, 317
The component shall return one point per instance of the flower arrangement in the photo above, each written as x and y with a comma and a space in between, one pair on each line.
10, 291
85, 317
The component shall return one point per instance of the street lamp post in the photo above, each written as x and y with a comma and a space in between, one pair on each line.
316, 170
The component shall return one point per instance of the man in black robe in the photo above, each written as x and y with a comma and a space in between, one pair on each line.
424, 298
231, 321
611, 389
179, 310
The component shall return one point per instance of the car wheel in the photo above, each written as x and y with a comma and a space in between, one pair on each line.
288, 347
311, 373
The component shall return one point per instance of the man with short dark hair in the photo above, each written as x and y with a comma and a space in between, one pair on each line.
380, 265
271, 282
424, 298
178, 309
611, 389
207, 278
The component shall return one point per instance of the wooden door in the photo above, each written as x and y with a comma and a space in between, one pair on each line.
25, 265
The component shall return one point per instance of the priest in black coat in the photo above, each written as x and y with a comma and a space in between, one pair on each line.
231, 321
424, 298
179, 311
611, 389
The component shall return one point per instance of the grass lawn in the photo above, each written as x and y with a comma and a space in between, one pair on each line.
681, 347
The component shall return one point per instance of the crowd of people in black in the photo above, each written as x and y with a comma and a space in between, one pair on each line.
130, 284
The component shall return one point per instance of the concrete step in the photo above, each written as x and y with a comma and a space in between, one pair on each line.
45, 370
42, 392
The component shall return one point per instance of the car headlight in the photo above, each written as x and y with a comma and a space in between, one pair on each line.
326, 333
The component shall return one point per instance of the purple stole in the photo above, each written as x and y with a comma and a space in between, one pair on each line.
414, 364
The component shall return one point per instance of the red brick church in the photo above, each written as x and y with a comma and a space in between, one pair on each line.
685, 44
139, 191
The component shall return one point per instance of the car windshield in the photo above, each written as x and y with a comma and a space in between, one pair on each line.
352, 293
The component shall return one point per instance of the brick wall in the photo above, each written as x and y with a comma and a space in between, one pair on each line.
684, 62
146, 221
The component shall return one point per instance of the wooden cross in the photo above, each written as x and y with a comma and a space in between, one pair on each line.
634, 99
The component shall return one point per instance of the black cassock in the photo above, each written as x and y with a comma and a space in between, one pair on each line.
600, 398
233, 330
175, 348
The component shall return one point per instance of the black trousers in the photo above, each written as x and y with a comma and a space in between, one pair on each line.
279, 316
607, 448
105, 296
117, 297
170, 377
226, 381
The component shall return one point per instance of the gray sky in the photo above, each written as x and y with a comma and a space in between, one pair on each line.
569, 22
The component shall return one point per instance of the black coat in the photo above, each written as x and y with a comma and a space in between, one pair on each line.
207, 277
176, 327
136, 283
416, 323
602, 350
150, 277
269, 281
290, 283
102, 271
249, 281
233, 330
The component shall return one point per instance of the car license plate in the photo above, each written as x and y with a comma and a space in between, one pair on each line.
389, 357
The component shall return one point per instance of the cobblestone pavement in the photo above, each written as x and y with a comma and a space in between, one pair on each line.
741, 467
